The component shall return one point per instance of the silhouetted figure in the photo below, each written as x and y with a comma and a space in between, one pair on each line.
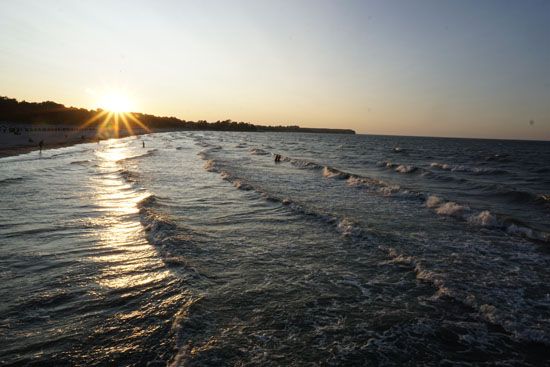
41, 145
277, 158
143, 144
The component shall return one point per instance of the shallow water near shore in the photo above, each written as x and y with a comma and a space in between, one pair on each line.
199, 249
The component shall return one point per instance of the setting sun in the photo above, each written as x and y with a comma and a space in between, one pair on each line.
115, 102
114, 118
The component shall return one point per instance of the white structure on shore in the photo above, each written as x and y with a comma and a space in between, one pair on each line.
23, 135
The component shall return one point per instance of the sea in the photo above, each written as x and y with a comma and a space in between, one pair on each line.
196, 248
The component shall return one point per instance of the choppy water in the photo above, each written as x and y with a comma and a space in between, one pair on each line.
200, 250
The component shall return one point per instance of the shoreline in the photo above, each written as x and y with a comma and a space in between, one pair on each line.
18, 150
23, 149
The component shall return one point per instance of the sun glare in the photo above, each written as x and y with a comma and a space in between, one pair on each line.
114, 118
115, 102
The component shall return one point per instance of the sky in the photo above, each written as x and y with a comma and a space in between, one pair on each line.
460, 68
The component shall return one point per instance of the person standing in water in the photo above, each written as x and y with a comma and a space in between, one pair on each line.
41, 145
143, 143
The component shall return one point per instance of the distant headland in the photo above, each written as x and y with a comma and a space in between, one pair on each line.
50, 113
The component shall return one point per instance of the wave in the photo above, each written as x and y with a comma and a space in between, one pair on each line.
498, 157
210, 166
238, 183
346, 226
210, 146
335, 173
398, 167
484, 218
452, 209
473, 170
507, 315
202, 143
168, 238
514, 195
303, 164
69, 152
406, 168
258, 151
129, 176
149, 153
382, 187
158, 228
11, 180
82, 162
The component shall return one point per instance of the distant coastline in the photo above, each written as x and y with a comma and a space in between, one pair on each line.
13, 111
23, 125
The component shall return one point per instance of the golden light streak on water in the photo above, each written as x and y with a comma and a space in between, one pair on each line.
129, 260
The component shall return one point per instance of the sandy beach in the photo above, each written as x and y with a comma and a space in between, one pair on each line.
11, 151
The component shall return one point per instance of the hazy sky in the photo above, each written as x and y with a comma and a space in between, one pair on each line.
438, 68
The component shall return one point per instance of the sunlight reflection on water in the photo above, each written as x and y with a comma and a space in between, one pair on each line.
129, 258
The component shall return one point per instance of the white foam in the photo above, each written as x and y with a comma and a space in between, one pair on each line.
333, 173
462, 168
348, 228
405, 168
300, 163
389, 190
210, 166
356, 181
484, 219
433, 201
452, 209
257, 151
242, 185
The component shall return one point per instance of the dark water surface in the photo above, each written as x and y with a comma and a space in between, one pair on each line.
200, 250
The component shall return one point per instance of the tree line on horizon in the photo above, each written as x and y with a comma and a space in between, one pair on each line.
48, 112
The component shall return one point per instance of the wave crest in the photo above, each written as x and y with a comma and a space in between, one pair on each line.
258, 151
462, 168
483, 218
406, 168
330, 172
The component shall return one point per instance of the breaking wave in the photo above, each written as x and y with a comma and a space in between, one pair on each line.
128, 175
329, 172
11, 180
170, 240
399, 168
139, 156
483, 218
507, 315
473, 170
346, 226
406, 168
514, 195
258, 151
